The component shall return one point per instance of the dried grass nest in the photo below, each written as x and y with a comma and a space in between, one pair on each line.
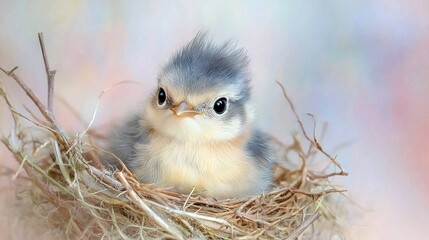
82, 200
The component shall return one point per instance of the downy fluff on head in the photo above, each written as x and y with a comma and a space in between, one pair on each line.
202, 74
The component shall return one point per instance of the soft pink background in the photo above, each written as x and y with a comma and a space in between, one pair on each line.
361, 66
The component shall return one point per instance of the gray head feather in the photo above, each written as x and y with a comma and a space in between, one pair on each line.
202, 65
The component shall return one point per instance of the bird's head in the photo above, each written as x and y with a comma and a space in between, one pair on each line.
203, 94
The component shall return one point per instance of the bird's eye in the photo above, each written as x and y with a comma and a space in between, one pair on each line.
220, 106
161, 96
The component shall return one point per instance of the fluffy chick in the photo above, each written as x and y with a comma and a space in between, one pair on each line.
197, 130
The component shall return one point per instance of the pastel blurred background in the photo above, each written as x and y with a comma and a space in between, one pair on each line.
360, 66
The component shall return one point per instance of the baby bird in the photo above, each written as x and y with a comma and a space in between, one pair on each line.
197, 130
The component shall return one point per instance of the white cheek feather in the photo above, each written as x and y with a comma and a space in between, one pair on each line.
216, 130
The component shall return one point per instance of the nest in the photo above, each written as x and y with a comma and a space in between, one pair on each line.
81, 199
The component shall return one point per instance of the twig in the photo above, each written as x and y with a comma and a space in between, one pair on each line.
49, 74
6, 97
241, 214
301, 228
142, 205
266, 228
196, 216
314, 176
45, 112
316, 195
313, 141
187, 199
32, 121
106, 178
59, 161
9, 72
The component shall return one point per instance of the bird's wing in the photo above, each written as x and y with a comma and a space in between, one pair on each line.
260, 149
123, 141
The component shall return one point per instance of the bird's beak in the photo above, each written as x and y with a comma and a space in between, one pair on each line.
184, 109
